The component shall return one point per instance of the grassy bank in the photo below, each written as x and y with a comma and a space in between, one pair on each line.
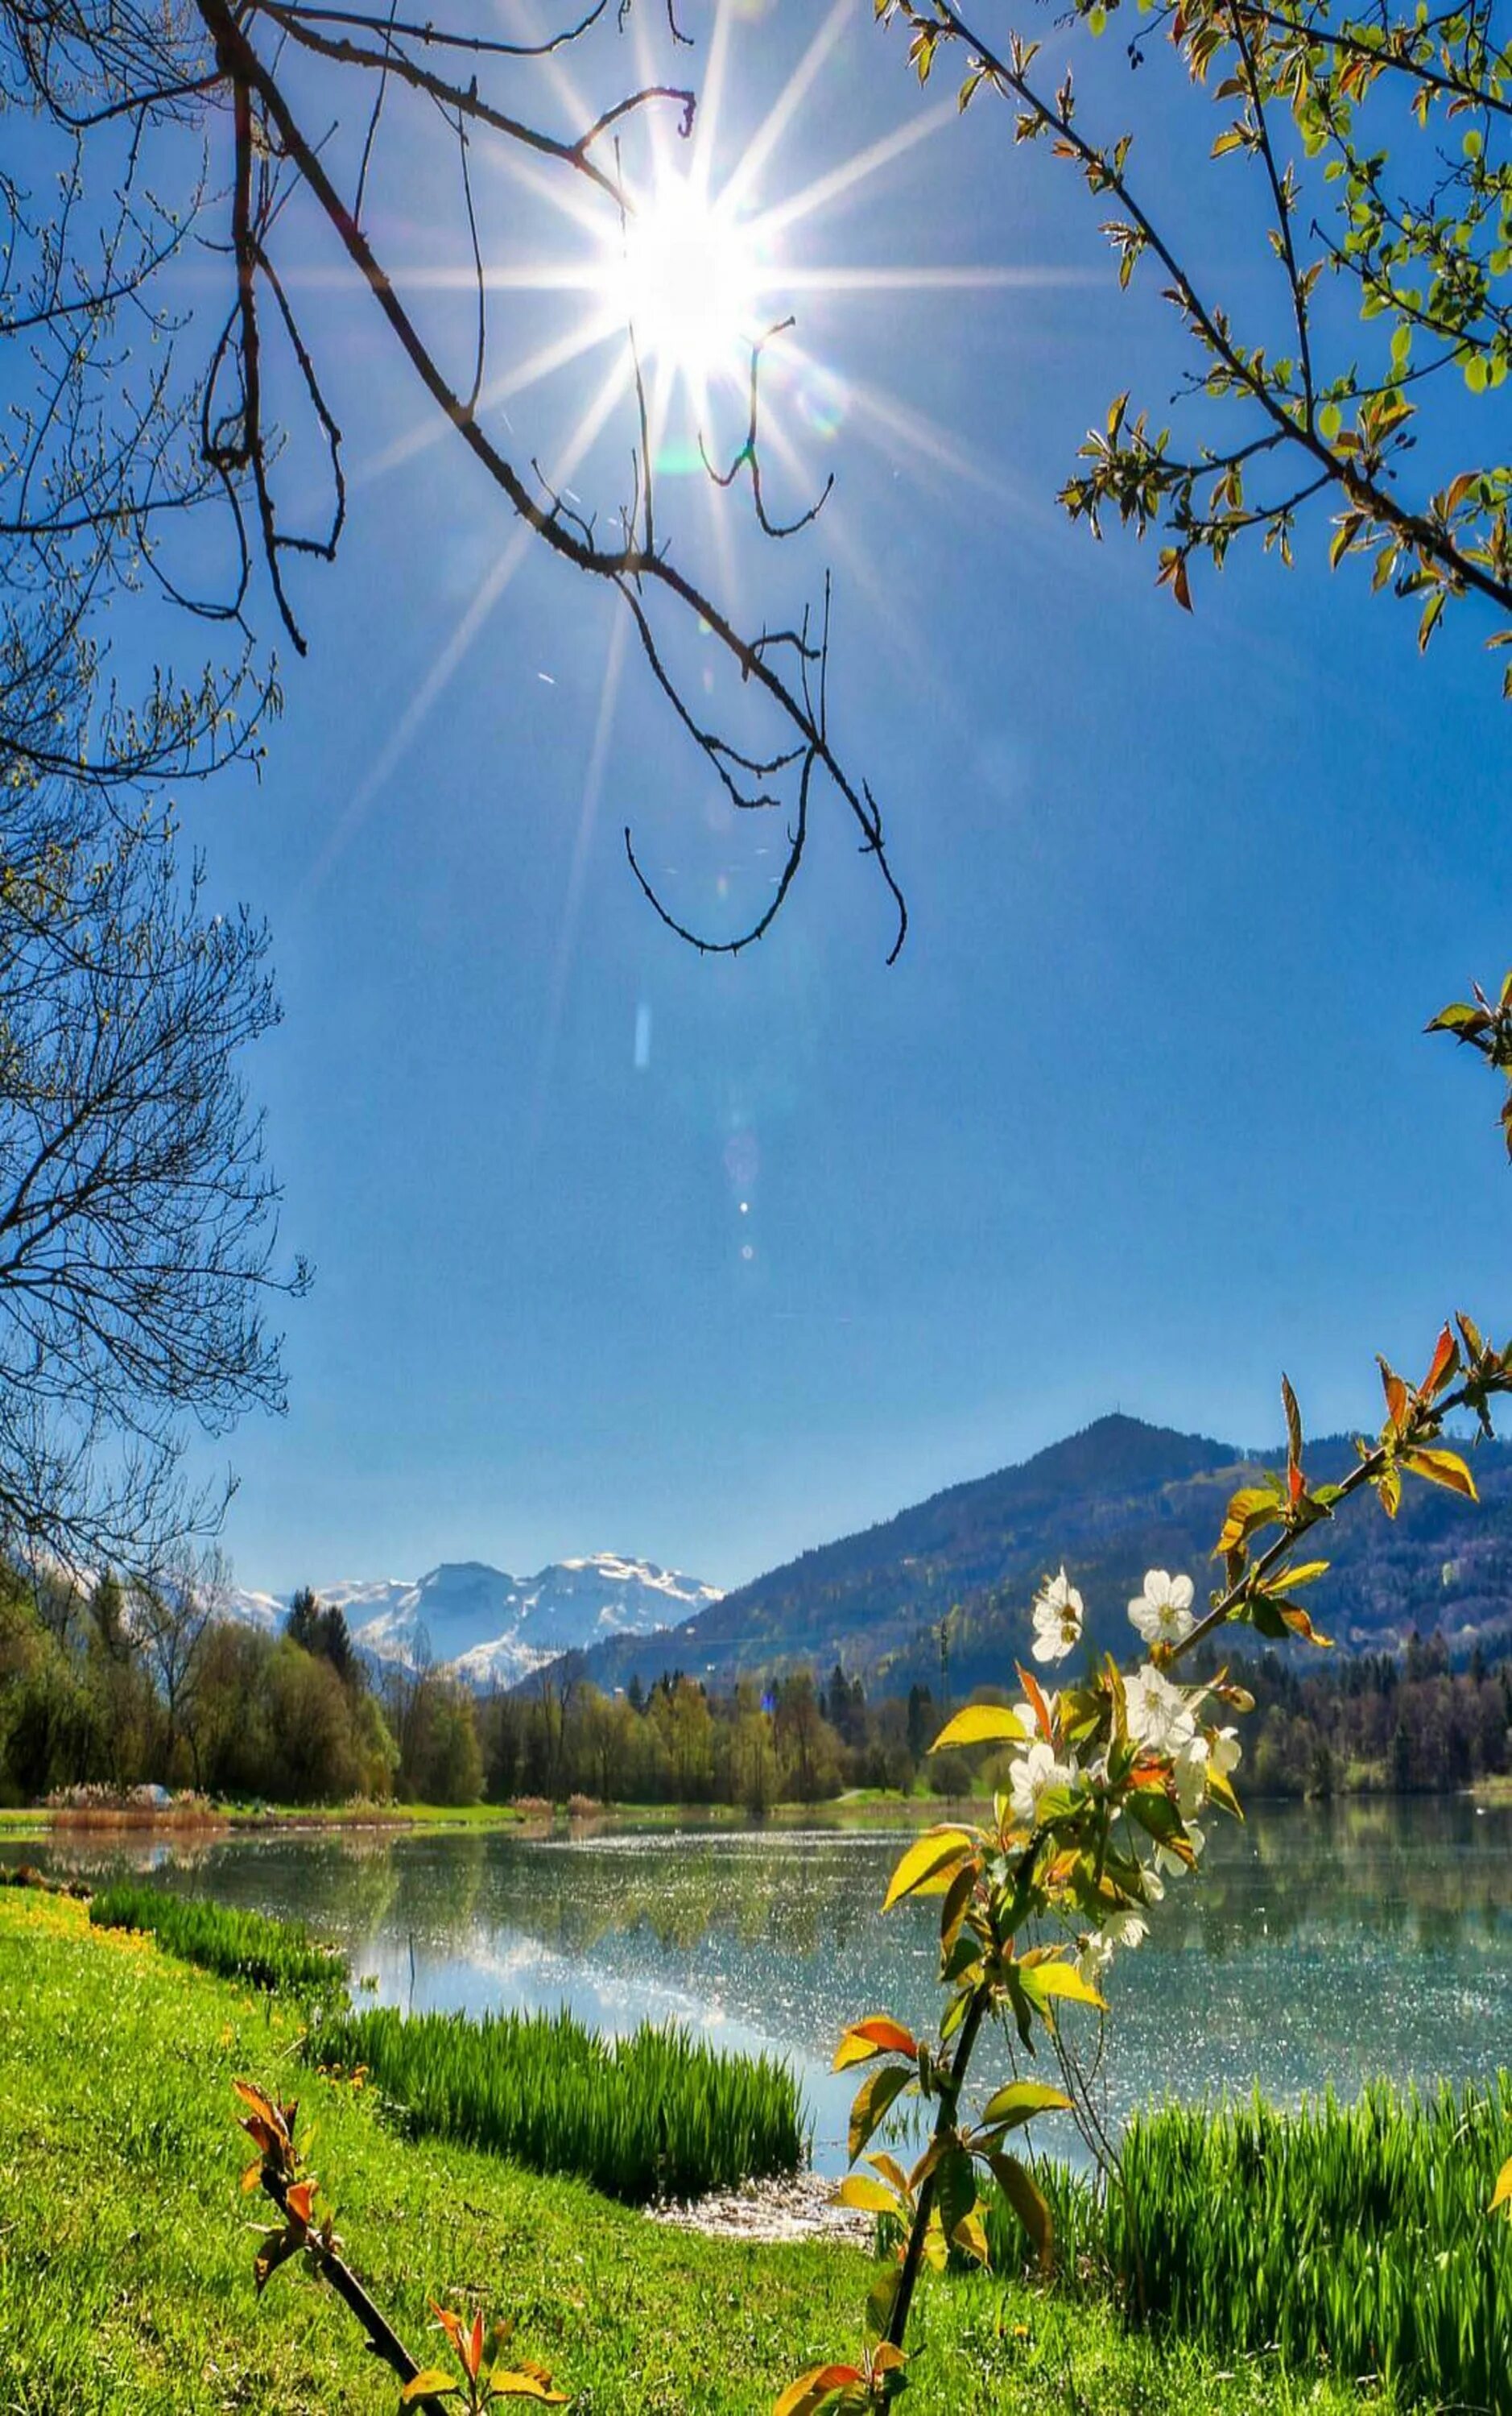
235, 1945
126, 2282
1359, 2231
373, 1816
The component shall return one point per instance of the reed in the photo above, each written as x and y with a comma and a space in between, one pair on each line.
1358, 2233
656, 2114
246, 1946
1354, 2237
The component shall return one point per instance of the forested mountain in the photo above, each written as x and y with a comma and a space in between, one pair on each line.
1111, 1501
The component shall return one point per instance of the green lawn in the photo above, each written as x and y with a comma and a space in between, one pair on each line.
418, 1815
125, 2258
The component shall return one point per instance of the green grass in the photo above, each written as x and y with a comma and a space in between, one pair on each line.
655, 2115
126, 2283
1359, 2231
247, 1947
385, 1816
1355, 2234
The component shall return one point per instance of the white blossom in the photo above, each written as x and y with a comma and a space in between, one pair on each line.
1122, 1932
1167, 1858
1058, 1619
1225, 1752
1162, 1614
1189, 1773
1094, 1954
1126, 1930
1034, 1773
1160, 1717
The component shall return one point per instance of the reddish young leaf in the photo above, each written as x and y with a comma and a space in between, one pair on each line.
810, 2392
1037, 1703
1446, 1359
1396, 1392
879, 2035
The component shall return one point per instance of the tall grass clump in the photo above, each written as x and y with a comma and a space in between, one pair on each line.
1358, 2233
247, 1947
656, 2114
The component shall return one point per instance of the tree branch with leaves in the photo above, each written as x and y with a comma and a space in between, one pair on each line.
1376, 143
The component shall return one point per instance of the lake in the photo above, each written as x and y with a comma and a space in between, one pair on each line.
1319, 1944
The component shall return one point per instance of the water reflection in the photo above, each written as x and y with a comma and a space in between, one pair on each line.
1321, 1944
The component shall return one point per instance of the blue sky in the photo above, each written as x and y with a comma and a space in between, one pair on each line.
619, 1248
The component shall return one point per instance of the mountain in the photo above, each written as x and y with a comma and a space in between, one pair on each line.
1111, 1501
494, 1629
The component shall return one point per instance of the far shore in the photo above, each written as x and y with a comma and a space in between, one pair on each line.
860, 1809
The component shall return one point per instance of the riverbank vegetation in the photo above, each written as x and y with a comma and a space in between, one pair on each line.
238, 1945
654, 2115
1356, 2237
127, 2291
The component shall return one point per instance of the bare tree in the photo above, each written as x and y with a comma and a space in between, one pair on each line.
297, 105
138, 1216
170, 1615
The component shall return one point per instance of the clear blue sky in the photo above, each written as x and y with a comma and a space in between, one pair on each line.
1141, 1116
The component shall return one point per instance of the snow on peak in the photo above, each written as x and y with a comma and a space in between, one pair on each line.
493, 1628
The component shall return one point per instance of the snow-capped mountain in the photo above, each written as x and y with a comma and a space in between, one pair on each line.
494, 1629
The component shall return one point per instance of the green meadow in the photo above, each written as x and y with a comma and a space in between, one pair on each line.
126, 2251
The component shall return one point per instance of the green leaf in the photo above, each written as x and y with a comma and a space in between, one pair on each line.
1041, 1982
1253, 1506
1023, 2195
870, 2197
1020, 2100
927, 1861
873, 2100
428, 2385
981, 1724
1442, 1468
970, 2237
879, 2299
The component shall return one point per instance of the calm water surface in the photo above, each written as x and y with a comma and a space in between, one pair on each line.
1318, 1946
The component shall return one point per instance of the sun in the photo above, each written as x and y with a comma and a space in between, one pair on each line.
688, 278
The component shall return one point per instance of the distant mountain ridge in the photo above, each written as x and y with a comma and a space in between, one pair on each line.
494, 1629
1110, 1501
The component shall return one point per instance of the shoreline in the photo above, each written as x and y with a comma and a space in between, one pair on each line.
23, 1825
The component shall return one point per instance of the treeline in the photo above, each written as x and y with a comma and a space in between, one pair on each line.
795, 1741
122, 1686
1374, 1724
128, 1686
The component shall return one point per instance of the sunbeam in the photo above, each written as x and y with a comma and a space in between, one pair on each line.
567, 925
459, 645
764, 141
